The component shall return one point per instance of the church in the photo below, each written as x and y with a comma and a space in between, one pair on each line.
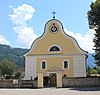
55, 54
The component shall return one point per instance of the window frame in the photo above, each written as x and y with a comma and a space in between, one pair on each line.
63, 64
41, 66
55, 46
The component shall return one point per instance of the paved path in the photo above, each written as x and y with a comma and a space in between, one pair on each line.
51, 91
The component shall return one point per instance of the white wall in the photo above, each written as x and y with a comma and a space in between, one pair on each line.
30, 67
79, 66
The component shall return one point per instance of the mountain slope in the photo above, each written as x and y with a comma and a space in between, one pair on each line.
13, 54
90, 60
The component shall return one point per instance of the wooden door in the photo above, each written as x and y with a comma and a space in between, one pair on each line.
53, 80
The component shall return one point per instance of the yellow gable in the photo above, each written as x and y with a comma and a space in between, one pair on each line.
54, 35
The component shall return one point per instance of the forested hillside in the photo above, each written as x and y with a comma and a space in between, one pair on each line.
13, 54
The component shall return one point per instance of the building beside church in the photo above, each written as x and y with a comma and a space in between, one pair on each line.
55, 54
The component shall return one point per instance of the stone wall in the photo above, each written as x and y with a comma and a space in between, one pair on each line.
18, 84
66, 82
81, 82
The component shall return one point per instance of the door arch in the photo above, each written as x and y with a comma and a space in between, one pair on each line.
53, 80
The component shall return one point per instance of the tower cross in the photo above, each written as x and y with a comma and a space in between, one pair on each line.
54, 13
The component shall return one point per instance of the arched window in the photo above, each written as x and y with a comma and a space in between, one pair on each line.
65, 64
54, 48
43, 64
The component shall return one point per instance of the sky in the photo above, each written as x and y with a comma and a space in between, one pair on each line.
22, 21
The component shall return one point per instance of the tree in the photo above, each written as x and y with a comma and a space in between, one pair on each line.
6, 68
98, 69
88, 70
93, 71
94, 23
18, 75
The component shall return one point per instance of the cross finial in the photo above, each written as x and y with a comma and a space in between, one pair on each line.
54, 13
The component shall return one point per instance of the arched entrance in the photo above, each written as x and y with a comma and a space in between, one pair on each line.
50, 81
53, 80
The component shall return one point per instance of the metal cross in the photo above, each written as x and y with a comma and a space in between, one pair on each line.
54, 13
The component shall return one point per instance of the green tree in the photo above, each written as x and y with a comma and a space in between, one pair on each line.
88, 70
18, 75
93, 71
6, 68
98, 69
94, 23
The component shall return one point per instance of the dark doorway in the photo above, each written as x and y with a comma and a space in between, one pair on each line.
53, 80
46, 81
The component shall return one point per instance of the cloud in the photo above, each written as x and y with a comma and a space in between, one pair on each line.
86, 41
19, 17
26, 35
22, 14
94, 0
3, 40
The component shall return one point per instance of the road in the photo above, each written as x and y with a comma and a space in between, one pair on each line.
52, 91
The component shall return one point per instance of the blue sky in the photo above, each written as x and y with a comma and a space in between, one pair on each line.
22, 21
